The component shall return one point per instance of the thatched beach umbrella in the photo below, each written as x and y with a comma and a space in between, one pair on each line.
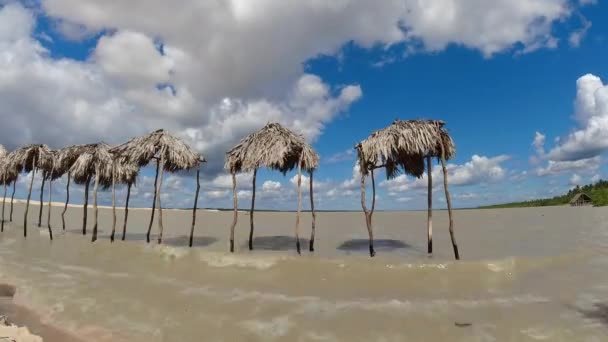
94, 163
171, 155
406, 145
277, 148
65, 159
29, 158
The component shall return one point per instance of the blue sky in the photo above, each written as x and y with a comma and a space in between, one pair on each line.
497, 73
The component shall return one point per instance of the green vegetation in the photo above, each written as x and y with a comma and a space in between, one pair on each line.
598, 193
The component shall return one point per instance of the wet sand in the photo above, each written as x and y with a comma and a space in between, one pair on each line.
525, 274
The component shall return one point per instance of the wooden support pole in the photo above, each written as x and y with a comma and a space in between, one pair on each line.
67, 200
299, 205
48, 214
198, 188
449, 203
124, 225
158, 204
113, 201
311, 246
429, 227
3, 202
29, 197
95, 207
10, 219
368, 221
236, 212
255, 172
371, 213
153, 202
44, 176
86, 205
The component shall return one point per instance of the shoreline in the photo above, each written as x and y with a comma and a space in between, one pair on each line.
25, 325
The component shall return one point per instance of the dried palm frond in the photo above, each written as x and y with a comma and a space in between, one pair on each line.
405, 144
274, 147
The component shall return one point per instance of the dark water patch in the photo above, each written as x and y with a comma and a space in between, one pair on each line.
7, 290
128, 237
184, 241
599, 313
277, 243
362, 245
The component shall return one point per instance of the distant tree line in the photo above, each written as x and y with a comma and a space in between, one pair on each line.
597, 191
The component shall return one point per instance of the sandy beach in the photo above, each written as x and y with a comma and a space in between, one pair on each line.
525, 275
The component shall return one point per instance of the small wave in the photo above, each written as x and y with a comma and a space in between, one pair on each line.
167, 252
275, 328
317, 305
244, 261
503, 265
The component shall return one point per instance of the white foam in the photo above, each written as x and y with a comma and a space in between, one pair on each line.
168, 252
277, 327
246, 261
501, 265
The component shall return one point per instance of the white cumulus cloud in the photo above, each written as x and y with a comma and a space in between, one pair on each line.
591, 138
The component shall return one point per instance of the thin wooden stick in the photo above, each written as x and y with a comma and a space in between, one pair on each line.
12, 200
153, 202
198, 188
124, 225
86, 205
29, 197
67, 200
95, 207
368, 222
299, 205
311, 246
236, 212
449, 203
48, 215
113, 202
44, 176
430, 205
3, 202
371, 213
158, 204
255, 172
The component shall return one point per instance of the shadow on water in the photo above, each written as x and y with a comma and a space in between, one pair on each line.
184, 241
277, 243
599, 313
362, 245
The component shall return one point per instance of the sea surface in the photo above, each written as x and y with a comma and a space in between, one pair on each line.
525, 275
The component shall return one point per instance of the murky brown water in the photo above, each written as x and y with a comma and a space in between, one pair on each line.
526, 274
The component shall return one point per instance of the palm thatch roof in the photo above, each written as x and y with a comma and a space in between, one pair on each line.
49, 165
67, 156
125, 173
404, 144
28, 157
8, 174
90, 155
141, 150
96, 156
581, 196
274, 147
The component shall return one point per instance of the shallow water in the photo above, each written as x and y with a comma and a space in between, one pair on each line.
525, 274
